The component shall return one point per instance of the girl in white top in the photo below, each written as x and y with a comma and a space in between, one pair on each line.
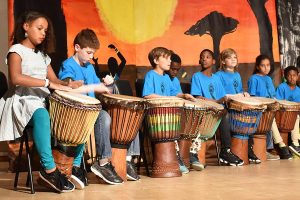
30, 76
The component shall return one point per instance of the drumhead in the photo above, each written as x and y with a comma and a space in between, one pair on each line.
194, 105
166, 102
264, 100
285, 103
211, 104
250, 101
121, 97
80, 98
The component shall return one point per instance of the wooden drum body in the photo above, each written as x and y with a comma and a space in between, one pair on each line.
264, 126
244, 116
72, 120
127, 113
164, 124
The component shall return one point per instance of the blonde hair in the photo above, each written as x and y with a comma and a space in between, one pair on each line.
226, 53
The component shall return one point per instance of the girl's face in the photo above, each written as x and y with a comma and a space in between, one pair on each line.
264, 67
206, 60
36, 30
163, 62
292, 77
230, 62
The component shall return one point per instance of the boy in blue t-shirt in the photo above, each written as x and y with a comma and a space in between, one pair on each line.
207, 86
174, 69
158, 84
78, 67
291, 92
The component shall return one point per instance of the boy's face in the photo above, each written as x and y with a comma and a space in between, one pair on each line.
206, 60
231, 62
84, 54
174, 69
264, 67
292, 77
163, 62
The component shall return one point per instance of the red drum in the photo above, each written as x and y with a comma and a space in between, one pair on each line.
164, 124
72, 118
127, 114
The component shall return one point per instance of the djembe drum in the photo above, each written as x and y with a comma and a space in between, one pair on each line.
244, 117
286, 117
163, 123
127, 113
264, 126
200, 119
72, 120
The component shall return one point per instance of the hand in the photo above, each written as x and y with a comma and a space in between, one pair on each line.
101, 88
75, 84
111, 46
222, 100
246, 94
56, 86
108, 80
189, 97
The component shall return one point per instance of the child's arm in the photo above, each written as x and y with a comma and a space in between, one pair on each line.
152, 96
121, 57
186, 96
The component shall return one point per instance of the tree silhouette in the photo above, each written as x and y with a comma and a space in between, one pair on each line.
264, 28
216, 25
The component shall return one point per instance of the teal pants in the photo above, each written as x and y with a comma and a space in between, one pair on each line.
42, 139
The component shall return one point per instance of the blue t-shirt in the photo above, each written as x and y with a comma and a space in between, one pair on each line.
261, 86
155, 83
208, 87
284, 92
71, 69
176, 85
231, 82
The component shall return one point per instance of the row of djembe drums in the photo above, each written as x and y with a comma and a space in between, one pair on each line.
167, 119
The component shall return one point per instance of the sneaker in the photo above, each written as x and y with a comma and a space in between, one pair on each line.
131, 172
271, 156
252, 157
183, 169
195, 163
107, 173
284, 153
57, 181
295, 149
78, 178
227, 157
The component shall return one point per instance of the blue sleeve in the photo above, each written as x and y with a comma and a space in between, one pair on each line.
148, 85
280, 93
195, 86
252, 85
240, 89
176, 88
221, 89
66, 71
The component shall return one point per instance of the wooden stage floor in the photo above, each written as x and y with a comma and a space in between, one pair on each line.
269, 180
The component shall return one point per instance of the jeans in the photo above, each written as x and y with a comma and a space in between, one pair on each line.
225, 134
102, 137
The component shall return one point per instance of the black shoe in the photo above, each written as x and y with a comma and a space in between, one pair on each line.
131, 172
57, 181
295, 149
78, 178
107, 173
252, 157
284, 153
227, 157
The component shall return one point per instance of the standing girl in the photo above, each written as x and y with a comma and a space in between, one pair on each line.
30, 76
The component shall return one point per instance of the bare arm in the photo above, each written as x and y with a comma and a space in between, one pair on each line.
186, 96
152, 96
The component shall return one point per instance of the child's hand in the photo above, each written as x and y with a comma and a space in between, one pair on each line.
246, 94
189, 97
101, 88
56, 86
75, 84
108, 80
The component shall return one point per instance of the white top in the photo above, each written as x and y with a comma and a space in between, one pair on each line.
19, 103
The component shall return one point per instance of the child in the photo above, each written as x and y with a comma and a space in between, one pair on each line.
261, 85
174, 69
208, 86
232, 83
115, 69
78, 67
158, 84
30, 75
291, 92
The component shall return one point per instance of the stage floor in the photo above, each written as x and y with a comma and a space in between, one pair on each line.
269, 180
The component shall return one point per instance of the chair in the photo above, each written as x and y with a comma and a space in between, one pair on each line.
139, 84
3, 84
186, 87
24, 138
